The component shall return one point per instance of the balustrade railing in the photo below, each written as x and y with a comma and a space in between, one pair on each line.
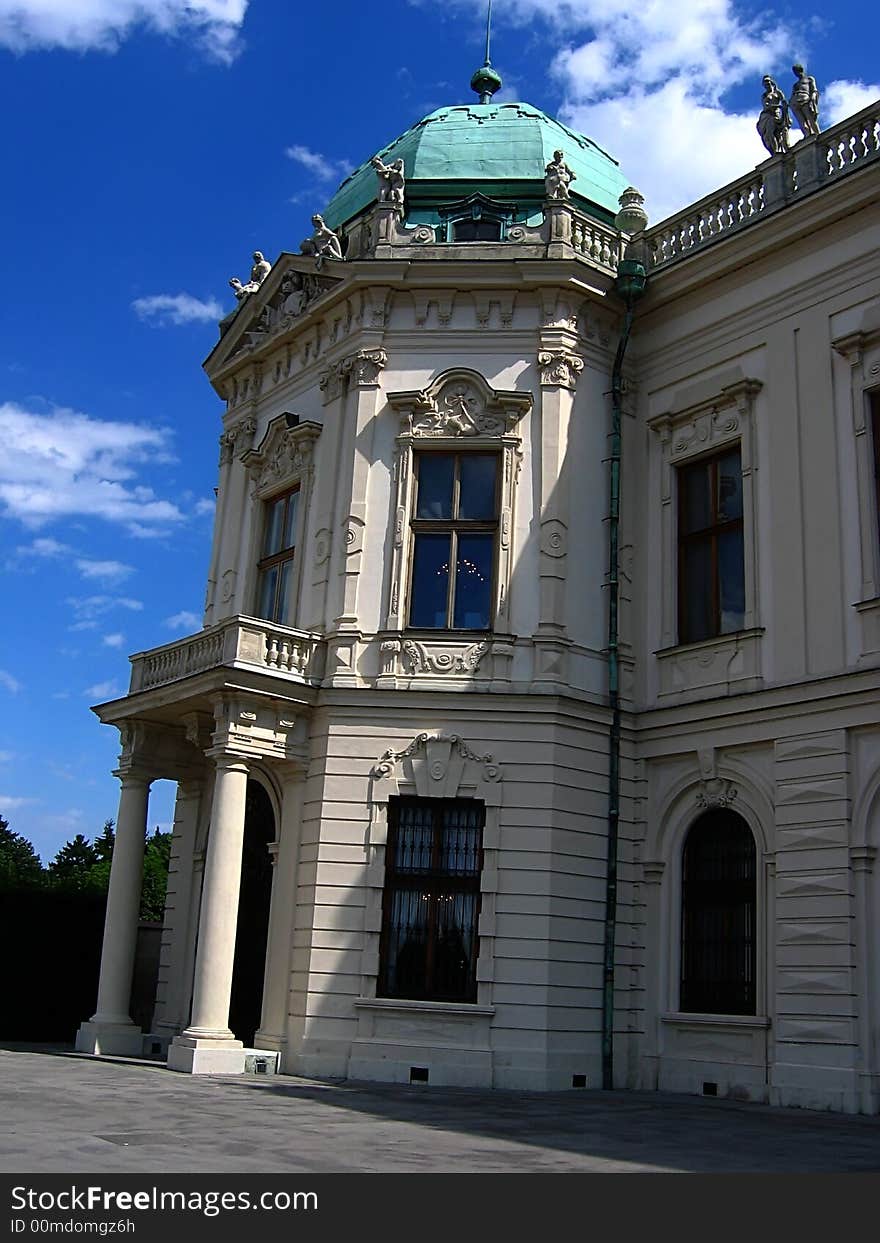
807, 166
239, 641
595, 241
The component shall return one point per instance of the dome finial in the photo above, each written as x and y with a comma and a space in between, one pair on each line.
486, 81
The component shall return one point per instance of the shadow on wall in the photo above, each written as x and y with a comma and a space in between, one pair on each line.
49, 971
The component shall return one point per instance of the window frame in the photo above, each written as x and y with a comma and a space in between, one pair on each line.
282, 556
435, 884
710, 533
454, 526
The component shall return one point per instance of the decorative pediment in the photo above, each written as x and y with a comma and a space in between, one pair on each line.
285, 296
458, 404
438, 765
285, 453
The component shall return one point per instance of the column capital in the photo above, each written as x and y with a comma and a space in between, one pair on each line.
229, 761
559, 368
133, 777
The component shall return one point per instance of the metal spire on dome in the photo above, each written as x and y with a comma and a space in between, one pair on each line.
486, 81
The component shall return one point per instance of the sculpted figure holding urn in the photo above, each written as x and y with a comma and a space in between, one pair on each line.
261, 269
558, 177
391, 181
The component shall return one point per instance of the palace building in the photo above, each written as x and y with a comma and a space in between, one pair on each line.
532, 737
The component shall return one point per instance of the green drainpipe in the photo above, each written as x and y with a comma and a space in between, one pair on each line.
630, 284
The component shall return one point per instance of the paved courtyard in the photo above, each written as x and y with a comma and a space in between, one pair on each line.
64, 1112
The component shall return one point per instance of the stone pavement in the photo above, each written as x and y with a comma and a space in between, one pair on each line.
66, 1112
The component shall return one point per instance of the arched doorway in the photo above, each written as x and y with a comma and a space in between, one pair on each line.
246, 1002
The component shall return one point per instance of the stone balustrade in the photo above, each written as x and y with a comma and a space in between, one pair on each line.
807, 166
599, 243
238, 642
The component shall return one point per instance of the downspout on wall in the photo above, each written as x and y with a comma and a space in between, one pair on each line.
630, 285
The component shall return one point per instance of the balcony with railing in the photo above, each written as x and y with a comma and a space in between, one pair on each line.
810, 165
237, 643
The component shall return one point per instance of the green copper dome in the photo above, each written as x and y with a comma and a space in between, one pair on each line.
497, 150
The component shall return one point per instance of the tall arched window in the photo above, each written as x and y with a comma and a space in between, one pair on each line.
718, 916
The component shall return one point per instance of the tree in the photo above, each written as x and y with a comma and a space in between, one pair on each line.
20, 866
157, 855
71, 869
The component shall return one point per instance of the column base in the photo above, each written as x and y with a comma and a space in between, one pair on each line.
121, 1039
198, 1055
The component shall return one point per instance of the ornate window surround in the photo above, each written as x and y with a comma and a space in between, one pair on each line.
283, 460
458, 411
721, 420
861, 349
433, 765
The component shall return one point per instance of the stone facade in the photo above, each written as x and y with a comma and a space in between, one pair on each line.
759, 335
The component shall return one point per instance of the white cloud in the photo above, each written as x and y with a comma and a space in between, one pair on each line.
43, 548
180, 308
113, 640
322, 167
9, 683
102, 25
87, 609
104, 571
184, 620
205, 505
650, 84
67, 463
10, 802
102, 690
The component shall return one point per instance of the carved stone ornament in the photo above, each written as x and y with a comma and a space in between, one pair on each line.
459, 404
323, 244
360, 370
389, 760
294, 295
560, 368
284, 454
716, 792
238, 437
443, 658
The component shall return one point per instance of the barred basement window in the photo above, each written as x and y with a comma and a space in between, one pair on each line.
275, 569
718, 916
455, 528
428, 948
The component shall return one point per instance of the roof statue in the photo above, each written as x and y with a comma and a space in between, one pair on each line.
804, 101
392, 181
558, 177
774, 121
323, 244
261, 269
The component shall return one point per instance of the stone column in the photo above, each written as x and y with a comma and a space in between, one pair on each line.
208, 1046
110, 1029
279, 948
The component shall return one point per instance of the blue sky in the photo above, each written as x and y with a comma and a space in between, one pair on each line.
149, 147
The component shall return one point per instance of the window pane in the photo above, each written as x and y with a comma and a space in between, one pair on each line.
290, 521
460, 844
473, 582
282, 607
696, 507
731, 580
729, 500
414, 839
430, 581
406, 943
454, 951
476, 230
274, 523
697, 620
266, 593
476, 496
436, 472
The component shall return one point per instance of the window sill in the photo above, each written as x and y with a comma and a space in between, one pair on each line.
724, 664
424, 1007
681, 1019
